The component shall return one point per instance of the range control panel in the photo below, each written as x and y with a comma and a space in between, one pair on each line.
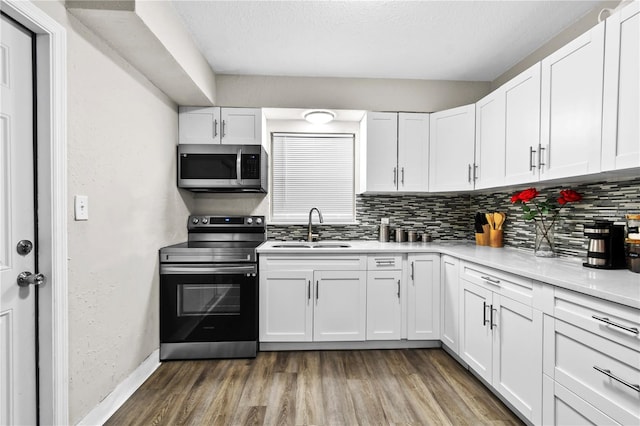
209, 222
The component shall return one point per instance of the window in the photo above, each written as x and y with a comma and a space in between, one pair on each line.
312, 170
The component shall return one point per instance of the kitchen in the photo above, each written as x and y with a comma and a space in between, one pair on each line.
123, 129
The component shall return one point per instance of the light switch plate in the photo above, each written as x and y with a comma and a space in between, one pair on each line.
81, 207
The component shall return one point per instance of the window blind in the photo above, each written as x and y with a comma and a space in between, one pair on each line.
311, 170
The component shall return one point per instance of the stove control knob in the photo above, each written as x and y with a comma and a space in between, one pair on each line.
249, 220
195, 220
259, 221
205, 220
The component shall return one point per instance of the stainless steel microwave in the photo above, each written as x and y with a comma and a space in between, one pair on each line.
222, 168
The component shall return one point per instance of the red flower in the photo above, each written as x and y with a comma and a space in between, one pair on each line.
525, 196
562, 201
569, 196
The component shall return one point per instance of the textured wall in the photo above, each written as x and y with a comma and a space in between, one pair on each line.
450, 217
121, 153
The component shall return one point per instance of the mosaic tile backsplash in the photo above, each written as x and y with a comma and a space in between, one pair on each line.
450, 217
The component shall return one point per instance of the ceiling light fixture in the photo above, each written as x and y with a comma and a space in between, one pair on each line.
319, 116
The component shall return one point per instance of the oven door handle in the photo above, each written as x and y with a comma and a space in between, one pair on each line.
207, 269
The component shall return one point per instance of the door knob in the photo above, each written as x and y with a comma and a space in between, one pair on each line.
24, 247
26, 278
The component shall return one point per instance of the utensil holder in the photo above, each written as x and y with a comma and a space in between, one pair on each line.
482, 239
495, 238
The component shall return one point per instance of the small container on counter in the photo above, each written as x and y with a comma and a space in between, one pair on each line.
426, 237
412, 236
401, 236
633, 226
633, 255
384, 233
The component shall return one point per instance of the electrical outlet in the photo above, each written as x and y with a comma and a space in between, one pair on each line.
81, 207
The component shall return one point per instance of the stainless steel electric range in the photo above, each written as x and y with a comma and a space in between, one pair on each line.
209, 289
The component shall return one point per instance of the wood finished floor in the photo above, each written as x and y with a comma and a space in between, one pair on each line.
374, 387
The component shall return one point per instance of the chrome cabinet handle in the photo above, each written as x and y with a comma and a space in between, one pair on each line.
491, 280
531, 153
541, 156
385, 262
398, 289
469, 174
395, 178
223, 128
616, 378
402, 179
412, 278
317, 291
484, 313
608, 321
215, 128
475, 169
491, 323
309, 290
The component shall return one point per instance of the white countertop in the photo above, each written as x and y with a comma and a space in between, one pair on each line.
620, 286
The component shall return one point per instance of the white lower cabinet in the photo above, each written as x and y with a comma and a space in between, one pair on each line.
423, 297
384, 307
501, 340
449, 302
307, 301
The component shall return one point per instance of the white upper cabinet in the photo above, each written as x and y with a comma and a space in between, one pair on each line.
413, 152
490, 140
236, 126
395, 152
522, 127
451, 149
380, 152
571, 107
621, 115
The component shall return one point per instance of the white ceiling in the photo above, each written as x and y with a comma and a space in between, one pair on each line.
435, 40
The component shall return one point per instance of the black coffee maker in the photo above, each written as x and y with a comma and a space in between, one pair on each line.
606, 245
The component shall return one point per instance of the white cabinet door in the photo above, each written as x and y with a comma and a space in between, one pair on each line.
490, 140
451, 145
286, 306
413, 152
449, 312
621, 114
522, 127
423, 297
517, 355
571, 107
380, 161
241, 126
340, 306
199, 125
475, 331
383, 305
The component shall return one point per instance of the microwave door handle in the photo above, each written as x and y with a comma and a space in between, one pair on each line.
239, 166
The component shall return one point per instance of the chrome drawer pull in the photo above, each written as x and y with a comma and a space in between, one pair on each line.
491, 280
616, 378
607, 321
385, 262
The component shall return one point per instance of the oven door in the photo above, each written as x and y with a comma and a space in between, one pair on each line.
208, 303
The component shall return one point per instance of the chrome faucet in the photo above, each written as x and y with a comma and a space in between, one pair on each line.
310, 234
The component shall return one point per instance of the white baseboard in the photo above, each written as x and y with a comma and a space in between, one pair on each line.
105, 409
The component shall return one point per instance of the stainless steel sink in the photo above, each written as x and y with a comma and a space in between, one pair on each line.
303, 244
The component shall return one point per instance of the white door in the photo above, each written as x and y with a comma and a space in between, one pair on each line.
241, 126
490, 140
475, 331
17, 303
199, 125
340, 306
571, 107
383, 305
381, 159
413, 152
449, 295
451, 145
423, 301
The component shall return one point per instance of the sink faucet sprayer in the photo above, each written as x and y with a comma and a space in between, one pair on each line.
310, 234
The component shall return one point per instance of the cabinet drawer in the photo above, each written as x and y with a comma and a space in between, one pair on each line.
603, 373
384, 262
504, 283
297, 262
606, 319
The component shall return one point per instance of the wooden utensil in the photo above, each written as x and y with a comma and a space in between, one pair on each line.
498, 219
490, 220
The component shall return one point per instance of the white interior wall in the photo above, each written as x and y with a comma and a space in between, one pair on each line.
122, 133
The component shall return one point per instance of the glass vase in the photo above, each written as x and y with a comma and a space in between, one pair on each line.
544, 243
